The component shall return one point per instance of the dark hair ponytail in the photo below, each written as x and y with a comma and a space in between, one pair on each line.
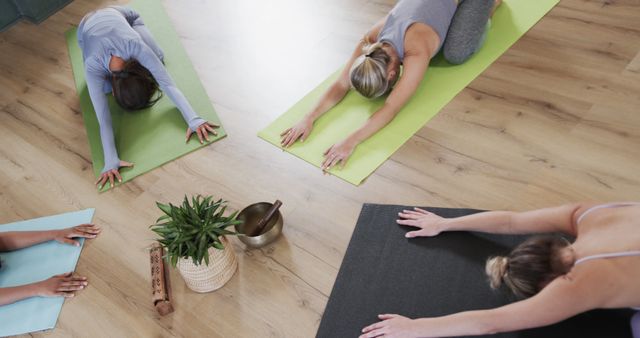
134, 87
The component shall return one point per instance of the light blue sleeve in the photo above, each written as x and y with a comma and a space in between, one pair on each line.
95, 82
149, 60
134, 19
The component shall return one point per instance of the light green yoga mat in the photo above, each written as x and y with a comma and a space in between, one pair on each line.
440, 85
151, 137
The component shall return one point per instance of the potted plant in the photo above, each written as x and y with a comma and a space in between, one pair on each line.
193, 233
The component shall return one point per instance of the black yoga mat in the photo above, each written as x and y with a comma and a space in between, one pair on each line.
384, 272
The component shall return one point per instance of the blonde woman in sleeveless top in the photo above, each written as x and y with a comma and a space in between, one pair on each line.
554, 278
410, 35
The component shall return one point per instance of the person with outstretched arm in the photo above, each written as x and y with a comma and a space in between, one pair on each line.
63, 285
121, 57
554, 278
410, 35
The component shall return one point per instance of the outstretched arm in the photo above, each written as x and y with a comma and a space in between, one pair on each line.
563, 298
554, 219
14, 240
112, 163
196, 124
149, 60
332, 96
415, 67
301, 130
65, 285
95, 81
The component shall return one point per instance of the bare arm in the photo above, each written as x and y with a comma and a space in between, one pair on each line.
415, 66
339, 89
332, 96
561, 299
301, 130
13, 294
554, 219
65, 285
14, 240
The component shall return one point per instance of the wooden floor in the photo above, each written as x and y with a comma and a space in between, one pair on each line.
556, 119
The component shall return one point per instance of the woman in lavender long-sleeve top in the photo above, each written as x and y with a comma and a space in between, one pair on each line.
120, 56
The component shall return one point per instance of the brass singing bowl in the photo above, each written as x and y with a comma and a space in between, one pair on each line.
250, 216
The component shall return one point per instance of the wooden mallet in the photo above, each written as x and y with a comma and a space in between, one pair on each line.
266, 218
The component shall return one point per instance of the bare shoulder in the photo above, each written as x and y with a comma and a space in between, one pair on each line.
607, 283
584, 284
564, 297
613, 208
421, 39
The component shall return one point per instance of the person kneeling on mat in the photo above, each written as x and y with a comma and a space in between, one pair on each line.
410, 35
556, 278
120, 56
64, 285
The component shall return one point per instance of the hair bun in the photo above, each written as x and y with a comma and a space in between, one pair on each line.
496, 269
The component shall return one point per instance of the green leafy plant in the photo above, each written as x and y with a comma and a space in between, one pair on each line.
190, 229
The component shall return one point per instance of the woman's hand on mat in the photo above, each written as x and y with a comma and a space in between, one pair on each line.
66, 236
393, 326
429, 223
299, 132
112, 175
203, 131
64, 285
338, 153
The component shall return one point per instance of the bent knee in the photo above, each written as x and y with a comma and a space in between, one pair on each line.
457, 56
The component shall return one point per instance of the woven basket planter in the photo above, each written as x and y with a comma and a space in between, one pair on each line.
207, 278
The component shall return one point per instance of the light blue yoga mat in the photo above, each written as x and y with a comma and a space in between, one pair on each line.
34, 264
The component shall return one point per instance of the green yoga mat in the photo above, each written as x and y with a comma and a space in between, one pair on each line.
440, 85
152, 137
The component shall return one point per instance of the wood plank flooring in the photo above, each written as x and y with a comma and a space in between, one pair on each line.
556, 119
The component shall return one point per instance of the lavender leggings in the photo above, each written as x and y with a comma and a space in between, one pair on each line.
635, 325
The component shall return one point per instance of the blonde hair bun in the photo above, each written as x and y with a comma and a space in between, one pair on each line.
368, 74
496, 269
